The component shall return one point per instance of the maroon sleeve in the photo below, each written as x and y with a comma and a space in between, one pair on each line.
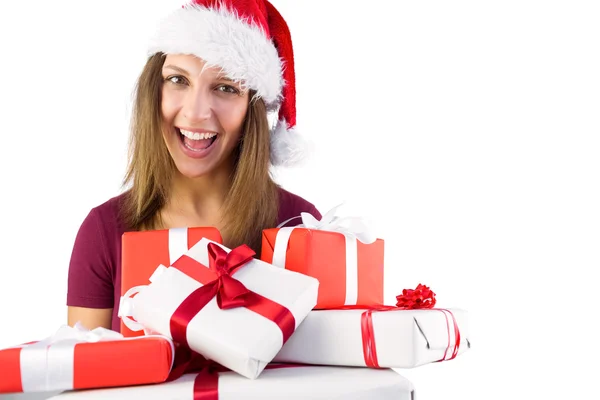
90, 280
292, 205
311, 209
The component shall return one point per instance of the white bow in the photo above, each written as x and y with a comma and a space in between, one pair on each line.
354, 226
79, 333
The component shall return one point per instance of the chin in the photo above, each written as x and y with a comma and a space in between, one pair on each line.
194, 171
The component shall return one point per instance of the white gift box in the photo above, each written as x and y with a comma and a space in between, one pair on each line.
401, 338
293, 383
237, 338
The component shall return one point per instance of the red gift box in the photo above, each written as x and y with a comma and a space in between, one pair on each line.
75, 358
339, 252
143, 252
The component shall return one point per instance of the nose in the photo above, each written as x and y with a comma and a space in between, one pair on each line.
198, 106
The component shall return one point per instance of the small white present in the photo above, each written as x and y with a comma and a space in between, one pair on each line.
389, 338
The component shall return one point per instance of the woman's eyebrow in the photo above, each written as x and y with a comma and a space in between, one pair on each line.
176, 68
224, 78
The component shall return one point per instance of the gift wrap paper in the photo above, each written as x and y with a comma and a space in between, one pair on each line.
293, 383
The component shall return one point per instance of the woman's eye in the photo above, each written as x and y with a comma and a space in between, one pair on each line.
228, 89
176, 79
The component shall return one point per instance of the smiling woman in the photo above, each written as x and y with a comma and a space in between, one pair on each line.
201, 145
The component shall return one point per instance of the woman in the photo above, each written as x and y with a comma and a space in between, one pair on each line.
201, 145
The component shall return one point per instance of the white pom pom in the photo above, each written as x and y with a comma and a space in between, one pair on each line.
288, 147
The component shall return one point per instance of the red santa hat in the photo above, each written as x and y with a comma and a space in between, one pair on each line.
251, 42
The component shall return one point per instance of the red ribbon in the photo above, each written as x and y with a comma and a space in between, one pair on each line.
368, 339
456, 336
368, 334
230, 292
206, 383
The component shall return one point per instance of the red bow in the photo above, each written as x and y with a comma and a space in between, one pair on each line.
419, 298
230, 292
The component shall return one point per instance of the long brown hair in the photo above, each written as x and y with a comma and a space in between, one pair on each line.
252, 202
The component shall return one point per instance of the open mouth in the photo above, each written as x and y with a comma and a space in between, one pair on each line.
195, 141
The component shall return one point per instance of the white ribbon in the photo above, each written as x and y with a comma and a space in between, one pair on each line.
353, 229
178, 246
178, 243
47, 365
126, 304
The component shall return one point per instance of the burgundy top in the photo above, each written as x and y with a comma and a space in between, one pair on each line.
95, 269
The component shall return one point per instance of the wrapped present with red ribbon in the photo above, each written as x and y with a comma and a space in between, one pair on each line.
407, 335
341, 252
223, 304
143, 251
77, 358
276, 382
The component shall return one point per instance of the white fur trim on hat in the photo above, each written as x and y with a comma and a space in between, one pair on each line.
222, 38
288, 147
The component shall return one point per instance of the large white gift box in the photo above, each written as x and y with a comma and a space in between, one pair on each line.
292, 383
386, 338
262, 305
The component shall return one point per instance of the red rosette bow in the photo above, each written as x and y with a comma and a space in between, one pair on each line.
419, 298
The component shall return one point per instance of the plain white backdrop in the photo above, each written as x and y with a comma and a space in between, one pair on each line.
468, 132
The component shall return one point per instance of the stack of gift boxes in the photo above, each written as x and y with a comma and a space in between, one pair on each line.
202, 321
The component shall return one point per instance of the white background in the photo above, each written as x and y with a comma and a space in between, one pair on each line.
467, 131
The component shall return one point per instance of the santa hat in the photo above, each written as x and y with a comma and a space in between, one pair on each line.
251, 42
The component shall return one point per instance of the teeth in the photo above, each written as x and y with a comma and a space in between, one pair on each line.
196, 135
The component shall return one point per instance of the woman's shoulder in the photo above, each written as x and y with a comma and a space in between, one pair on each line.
292, 205
111, 207
109, 213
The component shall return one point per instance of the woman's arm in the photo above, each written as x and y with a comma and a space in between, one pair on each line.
90, 317
90, 297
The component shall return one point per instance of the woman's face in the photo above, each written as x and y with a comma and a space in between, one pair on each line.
203, 114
